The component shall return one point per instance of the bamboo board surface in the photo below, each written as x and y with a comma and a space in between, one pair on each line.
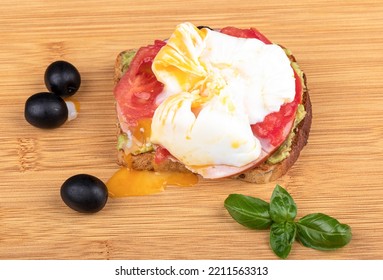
337, 43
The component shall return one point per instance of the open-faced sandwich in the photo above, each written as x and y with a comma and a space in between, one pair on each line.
218, 103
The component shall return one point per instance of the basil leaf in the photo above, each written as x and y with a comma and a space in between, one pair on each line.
249, 211
322, 232
282, 236
282, 206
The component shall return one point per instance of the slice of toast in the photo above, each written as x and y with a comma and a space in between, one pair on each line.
262, 173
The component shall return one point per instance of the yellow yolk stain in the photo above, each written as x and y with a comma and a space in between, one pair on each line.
179, 60
143, 130
235, 145
128, 182
188, 41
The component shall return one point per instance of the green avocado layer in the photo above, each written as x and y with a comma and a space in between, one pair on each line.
284, 150
127, 58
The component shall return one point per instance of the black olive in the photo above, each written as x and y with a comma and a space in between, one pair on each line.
45, 110
204, 26
62, 78
84, 193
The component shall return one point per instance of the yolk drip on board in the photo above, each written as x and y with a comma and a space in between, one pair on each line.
128, 182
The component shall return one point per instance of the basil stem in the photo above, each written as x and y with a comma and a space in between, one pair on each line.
249, 211
282, 206
282, 237
322, 232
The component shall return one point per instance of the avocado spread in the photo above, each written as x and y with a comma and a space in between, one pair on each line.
284, 150
127, 58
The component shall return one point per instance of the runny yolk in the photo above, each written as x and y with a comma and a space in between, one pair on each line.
127, 182
143, 130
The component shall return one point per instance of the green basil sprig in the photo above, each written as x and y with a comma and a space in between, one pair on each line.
317, 231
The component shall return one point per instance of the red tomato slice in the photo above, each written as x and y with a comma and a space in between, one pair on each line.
245, 33
161, 154
274, 125
138, 88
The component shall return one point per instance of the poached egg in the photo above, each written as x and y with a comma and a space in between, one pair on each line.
215, 87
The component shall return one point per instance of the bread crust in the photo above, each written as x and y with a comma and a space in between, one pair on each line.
262, 173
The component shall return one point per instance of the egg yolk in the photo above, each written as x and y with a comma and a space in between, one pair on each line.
128, 182
142, 131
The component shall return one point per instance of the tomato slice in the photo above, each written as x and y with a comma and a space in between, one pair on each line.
245, 33
161, 154
274, 125
138, 88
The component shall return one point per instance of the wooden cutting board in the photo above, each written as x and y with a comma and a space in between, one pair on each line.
337, 43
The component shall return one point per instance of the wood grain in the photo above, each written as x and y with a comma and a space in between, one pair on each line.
337, 43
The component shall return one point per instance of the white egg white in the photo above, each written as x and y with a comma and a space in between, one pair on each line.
238, 82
